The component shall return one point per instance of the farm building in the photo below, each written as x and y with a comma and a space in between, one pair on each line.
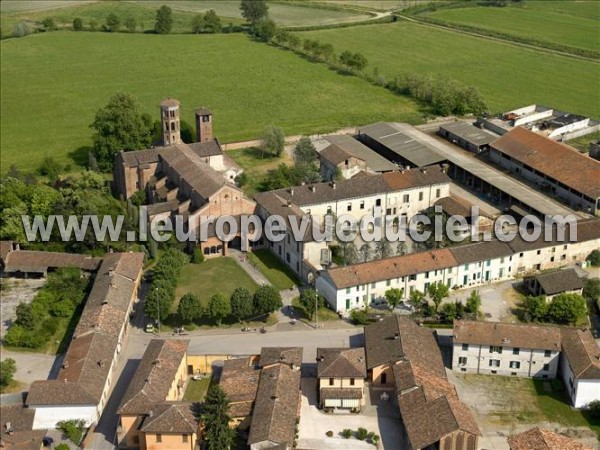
467, 136
551, 284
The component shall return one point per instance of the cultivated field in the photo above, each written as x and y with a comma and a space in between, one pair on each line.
53, 83
509, 76
570, 23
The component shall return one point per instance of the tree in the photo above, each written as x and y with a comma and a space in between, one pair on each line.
273, 140
77, 24
190, 308
594, 408
48, 24
164, 20
383, 248
265, 30
50, 168
567, 309
366, 252
416, 299
157, 304
437, 292
130, 24
20, 29
254, 10
93, 25
359, 316
8, 368
594, 258
536, 308
120, 126
266, 300
451, 311
25, 316
591, 289
212, 22
293, 41
305, 152
198, 24
473, 302
219, 308
311, 300
112, 23
394, 297
215, 418
241, 303
353, 61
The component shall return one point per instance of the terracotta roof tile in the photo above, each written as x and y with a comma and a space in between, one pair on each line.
539, 439
285, 355
341, 363
559, 281
582, 352
172, 417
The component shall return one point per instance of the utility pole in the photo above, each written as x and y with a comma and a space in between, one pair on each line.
316, 309
158, 310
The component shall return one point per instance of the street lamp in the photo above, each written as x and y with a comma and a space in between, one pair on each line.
157, 309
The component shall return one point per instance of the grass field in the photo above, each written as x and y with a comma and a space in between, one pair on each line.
278, 274
52, 85
566, 25
144, 11
324, 314
217, 275
507, 75
255, 166
196, 390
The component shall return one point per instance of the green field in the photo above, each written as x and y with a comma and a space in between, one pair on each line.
508, 76
274, 270
144, 11
53, 83
542, 21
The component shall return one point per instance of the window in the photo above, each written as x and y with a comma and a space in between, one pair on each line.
420, 196
384, 378
349, 207
406, 198
515, 365
136, 439
351, 381
516, 351
539, 252
373, 285
467, 266
184, 438
331, 382
388, 283
362, 205
494, 363
547, 353
159, 438
495, 349
348, 290
426, 275
465, 347
412, 277
546, 367
438, 192
462, 360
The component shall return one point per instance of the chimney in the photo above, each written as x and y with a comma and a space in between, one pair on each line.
291, 191
396, 336
333, 185
424, 169
312, 188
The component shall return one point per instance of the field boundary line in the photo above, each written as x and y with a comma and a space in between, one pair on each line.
451, 29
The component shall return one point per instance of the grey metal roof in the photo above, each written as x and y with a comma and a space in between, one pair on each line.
394, 137
374, 160
469, 132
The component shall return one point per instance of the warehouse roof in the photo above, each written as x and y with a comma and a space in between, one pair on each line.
559, 281
353, 147
469, 133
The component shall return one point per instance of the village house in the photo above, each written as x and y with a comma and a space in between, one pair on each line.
541, 351
191, 180
506, 349
551, 284
404, 358
239, 381
341, 373
540, 439
16, 423
155, 389
82, 386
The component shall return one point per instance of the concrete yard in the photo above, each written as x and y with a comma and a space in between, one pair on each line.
377, 416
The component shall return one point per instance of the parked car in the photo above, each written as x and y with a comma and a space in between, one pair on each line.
149, 328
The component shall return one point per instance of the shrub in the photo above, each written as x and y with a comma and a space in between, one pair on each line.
20, 29
62, 446
361, 434
359, 316
198, 256
591, 289
77, 24
73, 429
329, 433
8, 367
346, 433
594, 258
594, 408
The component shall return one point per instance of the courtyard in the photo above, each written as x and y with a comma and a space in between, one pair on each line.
504, 406
377, 416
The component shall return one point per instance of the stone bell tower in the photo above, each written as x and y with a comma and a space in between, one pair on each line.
169, 117
204, 131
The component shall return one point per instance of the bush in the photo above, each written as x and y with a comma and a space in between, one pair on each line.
329, 433
20, 29
198, 256
591, 289
594, 408
62, 446
77, 24
359, 316
346, 433
266, 300
73, 429
594, 258
361, 434
8, 367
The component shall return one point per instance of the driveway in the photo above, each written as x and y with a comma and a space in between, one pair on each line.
377, 416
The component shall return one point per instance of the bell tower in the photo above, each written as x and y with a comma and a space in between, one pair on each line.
169, 117
204, 131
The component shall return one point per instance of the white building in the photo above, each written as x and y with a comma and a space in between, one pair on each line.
506, 349
531, 351
83, 384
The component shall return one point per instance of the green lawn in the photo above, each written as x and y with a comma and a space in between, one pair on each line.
53, 83
256, 166
324, 314
217, 275
196, 390
541, 22
508, 76
278, 274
